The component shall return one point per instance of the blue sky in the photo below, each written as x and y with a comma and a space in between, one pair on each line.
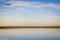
30, 12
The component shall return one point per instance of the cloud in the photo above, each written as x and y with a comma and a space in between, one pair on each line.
18, 3
32, 4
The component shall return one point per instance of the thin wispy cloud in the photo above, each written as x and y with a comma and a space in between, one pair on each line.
32, 4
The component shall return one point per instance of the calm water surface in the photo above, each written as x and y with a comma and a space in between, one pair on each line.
29, 34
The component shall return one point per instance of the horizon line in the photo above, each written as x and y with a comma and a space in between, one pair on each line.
8, 27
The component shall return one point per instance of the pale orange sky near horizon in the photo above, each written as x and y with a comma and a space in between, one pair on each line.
47, 21
43, 21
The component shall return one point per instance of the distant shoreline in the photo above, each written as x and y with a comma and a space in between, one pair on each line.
6, 27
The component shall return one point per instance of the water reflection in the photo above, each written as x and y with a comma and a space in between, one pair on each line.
29, 34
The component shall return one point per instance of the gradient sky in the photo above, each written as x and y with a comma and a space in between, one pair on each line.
29, 12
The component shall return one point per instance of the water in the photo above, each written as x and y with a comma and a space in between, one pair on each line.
34, 38
29, 34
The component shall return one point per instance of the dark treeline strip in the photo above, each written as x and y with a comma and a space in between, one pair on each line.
8, 27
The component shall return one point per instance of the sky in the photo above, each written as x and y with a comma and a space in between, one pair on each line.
29, 12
